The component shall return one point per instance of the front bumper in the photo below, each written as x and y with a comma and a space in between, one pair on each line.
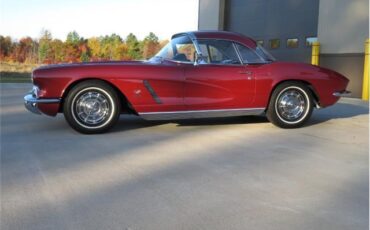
343, 93
31, 101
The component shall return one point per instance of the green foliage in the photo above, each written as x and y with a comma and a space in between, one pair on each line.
44, 46
73, 38
133, 47
84, 57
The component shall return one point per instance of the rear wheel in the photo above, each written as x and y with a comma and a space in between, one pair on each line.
291, 105
92, 107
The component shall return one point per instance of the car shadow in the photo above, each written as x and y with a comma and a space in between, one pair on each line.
130, 122
337, 111
222, 121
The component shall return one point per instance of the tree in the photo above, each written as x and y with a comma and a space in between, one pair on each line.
84, 50
73, 38
6, 48
24, 50
110, 47
58, 51
133, 47
44, 50
150, 45
95, 48
72, 47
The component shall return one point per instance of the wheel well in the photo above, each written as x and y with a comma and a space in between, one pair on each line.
125, 104
309, 86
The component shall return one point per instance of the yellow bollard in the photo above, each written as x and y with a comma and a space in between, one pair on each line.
365, 83
315, 53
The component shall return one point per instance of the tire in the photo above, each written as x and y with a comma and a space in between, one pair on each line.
290, 106
91, 107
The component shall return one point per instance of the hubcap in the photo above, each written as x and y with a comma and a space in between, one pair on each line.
291, 104
92, 108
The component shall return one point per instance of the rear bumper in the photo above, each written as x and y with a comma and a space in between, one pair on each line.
31, 102
343, 93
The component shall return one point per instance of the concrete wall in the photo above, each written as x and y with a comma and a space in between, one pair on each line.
343, 26
211, 14
343, 29
270, 19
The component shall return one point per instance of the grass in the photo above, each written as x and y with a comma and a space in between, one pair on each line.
15, 77
16, 72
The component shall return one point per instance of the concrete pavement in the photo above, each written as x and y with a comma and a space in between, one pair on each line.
234, 173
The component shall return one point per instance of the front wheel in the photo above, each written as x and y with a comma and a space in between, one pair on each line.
290, 105
91, 107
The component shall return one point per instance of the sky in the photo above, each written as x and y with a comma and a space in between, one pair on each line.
20, 18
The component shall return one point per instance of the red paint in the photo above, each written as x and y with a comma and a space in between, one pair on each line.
182, 86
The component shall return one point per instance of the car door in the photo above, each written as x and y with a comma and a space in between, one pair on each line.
163, 79
222, 82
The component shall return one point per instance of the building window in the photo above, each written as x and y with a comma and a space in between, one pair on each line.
292, 43
310, 40
260, 42
274, 43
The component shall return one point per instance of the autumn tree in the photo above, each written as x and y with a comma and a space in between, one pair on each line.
150, 45
77, 49
25, 51
110, 47
71, 46
95, 48
58, 51
6, 48
84, 50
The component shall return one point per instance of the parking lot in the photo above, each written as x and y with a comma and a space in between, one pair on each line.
234, 173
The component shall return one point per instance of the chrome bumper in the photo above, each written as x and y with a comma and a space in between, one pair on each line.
30, 102
343, 93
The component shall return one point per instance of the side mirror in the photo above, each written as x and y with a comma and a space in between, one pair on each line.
200, 59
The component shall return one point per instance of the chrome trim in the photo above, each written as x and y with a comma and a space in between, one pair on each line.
189, 114
152, 92
35, 91
30, 102
30, 98
238, 53
343, 93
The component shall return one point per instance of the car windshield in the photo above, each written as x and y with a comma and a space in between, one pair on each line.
180, 49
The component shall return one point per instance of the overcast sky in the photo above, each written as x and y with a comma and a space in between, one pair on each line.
20, 18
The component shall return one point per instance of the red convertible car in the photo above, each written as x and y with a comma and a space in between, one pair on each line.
197, 74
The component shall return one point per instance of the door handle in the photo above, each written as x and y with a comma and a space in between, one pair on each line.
246, 72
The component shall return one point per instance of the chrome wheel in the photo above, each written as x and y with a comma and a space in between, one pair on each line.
291, 104
92, 108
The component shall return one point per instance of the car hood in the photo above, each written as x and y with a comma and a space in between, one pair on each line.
83, 64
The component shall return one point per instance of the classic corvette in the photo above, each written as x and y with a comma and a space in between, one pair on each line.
196, 75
